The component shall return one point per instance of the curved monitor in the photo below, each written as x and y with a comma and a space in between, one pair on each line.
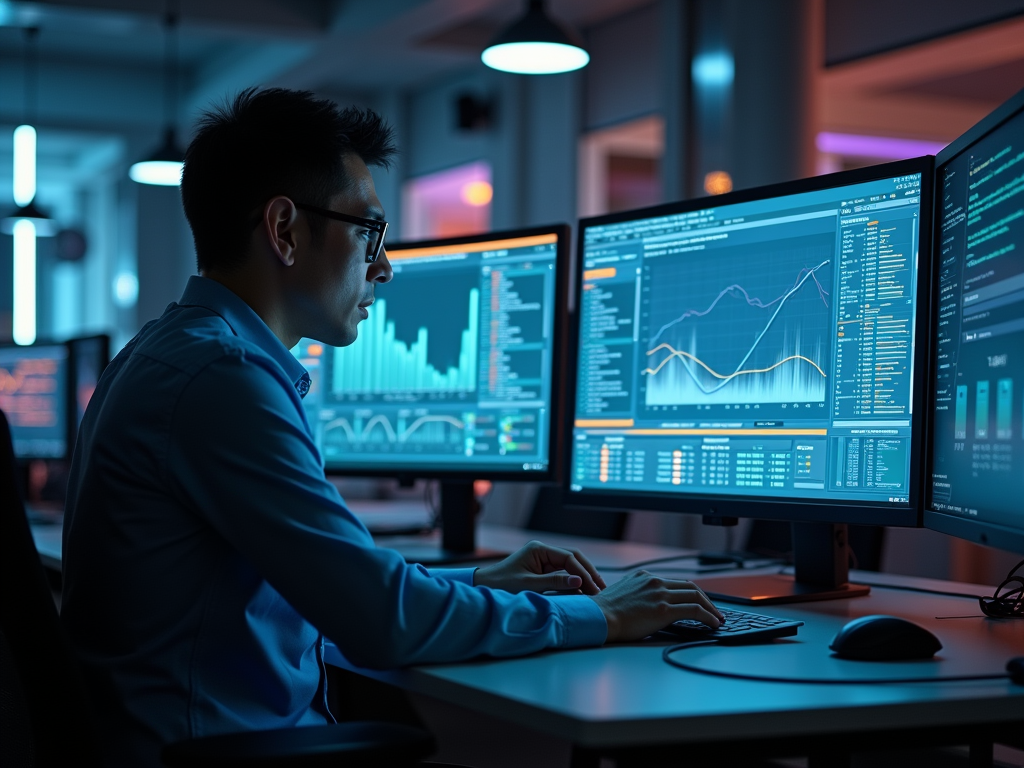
758, 354
976, 449
456, 373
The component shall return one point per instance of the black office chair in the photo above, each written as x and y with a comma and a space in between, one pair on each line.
44, 705
550, 515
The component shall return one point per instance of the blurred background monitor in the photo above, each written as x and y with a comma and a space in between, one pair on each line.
88, 357
455, 376
35, 397
755, 356
976, 449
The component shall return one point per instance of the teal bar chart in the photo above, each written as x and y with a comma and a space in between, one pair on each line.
378, 362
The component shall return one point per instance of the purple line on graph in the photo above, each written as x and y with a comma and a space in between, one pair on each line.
752, 301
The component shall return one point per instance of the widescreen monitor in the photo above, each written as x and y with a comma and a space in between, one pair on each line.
976, 448
456, 373
34, 396
758, 354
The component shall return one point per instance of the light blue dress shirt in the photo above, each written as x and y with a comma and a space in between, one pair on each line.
206, 556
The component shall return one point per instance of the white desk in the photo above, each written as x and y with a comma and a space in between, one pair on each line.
624, 699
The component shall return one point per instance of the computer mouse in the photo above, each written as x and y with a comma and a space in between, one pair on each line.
884, 638
1015, 667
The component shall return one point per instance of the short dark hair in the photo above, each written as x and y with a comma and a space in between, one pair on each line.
268, 142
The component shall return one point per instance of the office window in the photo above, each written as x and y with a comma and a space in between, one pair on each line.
620, 167
456, 201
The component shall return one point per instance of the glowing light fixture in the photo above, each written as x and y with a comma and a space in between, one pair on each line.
477, 193
126, 289
24, 164
536, 45
880, 147
163, 166
717, 183
713, 69
24, 319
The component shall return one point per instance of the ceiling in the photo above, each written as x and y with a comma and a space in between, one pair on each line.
932, 90
101, 61
329, 46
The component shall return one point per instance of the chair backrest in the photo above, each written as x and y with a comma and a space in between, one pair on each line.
550, 515
40, 678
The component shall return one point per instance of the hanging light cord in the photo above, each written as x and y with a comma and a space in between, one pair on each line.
171, 20
31, 73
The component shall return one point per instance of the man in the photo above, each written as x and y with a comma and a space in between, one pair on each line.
206, 556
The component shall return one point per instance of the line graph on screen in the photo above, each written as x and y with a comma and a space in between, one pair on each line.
729, 345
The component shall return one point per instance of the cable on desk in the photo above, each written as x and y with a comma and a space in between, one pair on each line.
667, 652
764, 563
1008, 605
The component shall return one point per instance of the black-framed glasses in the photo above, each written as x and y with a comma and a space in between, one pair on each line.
377, 228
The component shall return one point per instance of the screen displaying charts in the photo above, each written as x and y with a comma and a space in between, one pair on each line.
452, 369
33, 396
759, 348
978, 432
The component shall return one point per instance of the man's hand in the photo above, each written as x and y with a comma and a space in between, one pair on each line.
538, 567
640, 604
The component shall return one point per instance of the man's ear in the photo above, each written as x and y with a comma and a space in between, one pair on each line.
280, 220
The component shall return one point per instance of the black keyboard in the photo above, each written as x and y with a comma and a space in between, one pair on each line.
739, 627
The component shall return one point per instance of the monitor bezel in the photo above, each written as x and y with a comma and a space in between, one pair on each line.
556, 446
796, 510
977, 531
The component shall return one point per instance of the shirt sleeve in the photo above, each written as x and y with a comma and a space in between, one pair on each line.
242, 457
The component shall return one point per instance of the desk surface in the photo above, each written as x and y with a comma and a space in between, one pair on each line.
623, 695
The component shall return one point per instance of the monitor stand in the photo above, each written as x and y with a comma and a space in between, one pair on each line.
821, 572
458, 530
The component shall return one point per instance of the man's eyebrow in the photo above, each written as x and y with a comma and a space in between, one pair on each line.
374, 213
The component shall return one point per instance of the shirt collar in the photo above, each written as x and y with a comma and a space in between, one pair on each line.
203, 292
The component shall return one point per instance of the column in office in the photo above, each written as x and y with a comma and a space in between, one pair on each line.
166, 255
778, 49
676, 95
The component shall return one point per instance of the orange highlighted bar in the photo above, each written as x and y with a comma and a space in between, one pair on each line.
604, 422
598, 274
399, 253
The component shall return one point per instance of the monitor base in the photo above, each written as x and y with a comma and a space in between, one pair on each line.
774, 589
432, 554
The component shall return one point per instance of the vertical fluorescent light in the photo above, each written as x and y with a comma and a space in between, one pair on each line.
24, 282
24, 164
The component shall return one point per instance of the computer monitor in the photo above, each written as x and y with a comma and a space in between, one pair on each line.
456, 375
758, 354
88, 356
34, 395
976, 446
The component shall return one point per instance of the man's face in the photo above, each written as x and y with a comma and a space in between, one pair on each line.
336, 282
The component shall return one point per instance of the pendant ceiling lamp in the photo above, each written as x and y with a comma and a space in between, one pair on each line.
536, 45
163, 165
27, 221
25, 154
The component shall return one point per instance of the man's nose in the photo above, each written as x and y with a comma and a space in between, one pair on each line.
380, 271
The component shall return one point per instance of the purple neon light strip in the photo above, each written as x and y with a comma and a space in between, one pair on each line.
882, 147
